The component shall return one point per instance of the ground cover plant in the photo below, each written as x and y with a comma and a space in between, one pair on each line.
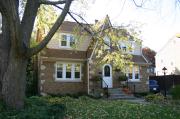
87, 108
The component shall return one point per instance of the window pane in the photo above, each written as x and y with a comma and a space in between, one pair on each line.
130, 75
136, 75
107, 43
64, 40
124, 48
106, 71
68, 70
72, 40
136, 70
77, 70
59, 70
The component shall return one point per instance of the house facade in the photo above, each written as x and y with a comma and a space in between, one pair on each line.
169, 57
65, 70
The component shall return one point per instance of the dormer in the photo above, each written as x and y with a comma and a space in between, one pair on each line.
130, 46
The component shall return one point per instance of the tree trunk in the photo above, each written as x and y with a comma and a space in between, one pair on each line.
13, 83
4, 50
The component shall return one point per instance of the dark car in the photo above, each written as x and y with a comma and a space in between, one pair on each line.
153, 86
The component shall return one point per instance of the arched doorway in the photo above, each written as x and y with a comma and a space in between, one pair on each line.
107, 76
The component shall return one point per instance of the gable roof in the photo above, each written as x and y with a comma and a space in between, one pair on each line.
175, 37
69, 26
138, 59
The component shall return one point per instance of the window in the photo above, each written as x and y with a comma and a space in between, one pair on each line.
67, 40
59, 70
77, 70
106, 71
133, 73
107, 43
130, 73
122, 46
136, 71
72, 41
68, 71
64, 40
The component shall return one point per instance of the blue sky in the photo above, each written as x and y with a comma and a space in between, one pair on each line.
160, 19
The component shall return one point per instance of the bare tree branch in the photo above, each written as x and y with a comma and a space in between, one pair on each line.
55, 27
47, 2
137, 4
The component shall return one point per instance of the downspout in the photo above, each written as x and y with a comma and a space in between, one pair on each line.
88, 75
88, 61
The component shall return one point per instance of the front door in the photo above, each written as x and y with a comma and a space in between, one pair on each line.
107, 76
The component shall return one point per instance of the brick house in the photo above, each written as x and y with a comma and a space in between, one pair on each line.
64, 69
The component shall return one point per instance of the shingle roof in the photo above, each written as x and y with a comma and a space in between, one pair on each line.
138, 59
69, 26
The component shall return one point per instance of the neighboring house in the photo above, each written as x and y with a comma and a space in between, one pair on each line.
67, 70
169, 57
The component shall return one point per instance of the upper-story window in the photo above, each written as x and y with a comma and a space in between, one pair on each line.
67, 40
107, 43
122, 46
132, 46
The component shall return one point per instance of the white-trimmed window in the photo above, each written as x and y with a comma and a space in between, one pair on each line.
68, 71
67, 40
107, 43
122, 46
133, 73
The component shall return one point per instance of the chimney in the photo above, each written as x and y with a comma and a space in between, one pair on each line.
96, 21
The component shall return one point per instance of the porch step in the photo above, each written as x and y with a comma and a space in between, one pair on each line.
117, 93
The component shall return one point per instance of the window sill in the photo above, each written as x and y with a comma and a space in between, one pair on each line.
68, 80
134, 80
64, 47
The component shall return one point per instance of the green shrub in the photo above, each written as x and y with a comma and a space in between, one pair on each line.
176, 92
36, 108
123, 77
155, 98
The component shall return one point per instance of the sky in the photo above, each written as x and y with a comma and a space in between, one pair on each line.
159, 19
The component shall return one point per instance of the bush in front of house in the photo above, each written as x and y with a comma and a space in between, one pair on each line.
156, 98
35, 108
175, 92
123, 77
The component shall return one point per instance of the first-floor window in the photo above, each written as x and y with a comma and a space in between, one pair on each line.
133, 73
77, 70
136, 71
59, 71
130, 73
68, 71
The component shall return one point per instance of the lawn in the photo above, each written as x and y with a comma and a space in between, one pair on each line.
88, 108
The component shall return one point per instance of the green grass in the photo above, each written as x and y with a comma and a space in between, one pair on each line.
88, 108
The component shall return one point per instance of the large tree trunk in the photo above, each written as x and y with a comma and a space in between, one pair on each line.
5, 45
13, 83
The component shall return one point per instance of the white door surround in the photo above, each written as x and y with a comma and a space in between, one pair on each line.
107, 76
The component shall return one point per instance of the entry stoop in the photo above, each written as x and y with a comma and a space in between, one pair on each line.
117, 93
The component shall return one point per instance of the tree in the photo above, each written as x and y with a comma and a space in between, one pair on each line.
149, 54
15, 45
